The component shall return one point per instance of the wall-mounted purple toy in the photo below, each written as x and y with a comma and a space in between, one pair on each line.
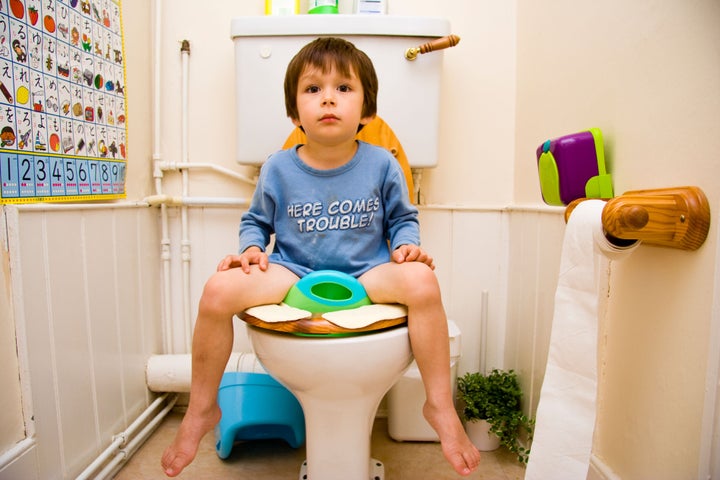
572, 167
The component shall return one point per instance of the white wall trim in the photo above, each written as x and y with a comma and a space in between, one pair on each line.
536, 208
55, 207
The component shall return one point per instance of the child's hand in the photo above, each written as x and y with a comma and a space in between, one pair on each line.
412, 253
251, 256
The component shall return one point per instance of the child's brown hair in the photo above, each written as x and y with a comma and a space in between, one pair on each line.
325, 53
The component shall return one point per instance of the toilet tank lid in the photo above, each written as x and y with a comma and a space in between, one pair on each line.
316, 25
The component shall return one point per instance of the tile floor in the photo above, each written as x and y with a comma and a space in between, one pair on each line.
275, 460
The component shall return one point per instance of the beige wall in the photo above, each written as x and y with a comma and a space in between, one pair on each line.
138, 32
648, 74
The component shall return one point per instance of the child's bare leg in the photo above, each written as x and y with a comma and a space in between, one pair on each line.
415, 285
226, 293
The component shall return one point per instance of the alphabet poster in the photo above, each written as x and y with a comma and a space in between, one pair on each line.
62, 101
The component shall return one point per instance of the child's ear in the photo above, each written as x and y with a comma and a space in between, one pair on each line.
365, 120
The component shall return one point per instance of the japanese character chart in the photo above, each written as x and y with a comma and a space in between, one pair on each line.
62, 101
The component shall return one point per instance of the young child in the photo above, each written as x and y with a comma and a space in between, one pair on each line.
332, 203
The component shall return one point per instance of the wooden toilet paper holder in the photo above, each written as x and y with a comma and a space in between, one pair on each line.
676, 217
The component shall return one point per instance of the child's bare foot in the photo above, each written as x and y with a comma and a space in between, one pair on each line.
183, 449
456, 446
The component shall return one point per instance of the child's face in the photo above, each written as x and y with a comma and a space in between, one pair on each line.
329, 105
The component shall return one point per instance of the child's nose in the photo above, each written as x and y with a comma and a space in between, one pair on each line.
328, 99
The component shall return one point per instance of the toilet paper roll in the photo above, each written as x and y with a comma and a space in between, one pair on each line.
565, 420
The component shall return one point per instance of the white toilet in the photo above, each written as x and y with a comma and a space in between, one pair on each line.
339, 381
339, 374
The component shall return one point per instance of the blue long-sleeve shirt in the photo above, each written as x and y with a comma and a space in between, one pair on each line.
339, 219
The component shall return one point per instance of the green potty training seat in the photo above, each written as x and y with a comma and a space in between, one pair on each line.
256, 407
327, 291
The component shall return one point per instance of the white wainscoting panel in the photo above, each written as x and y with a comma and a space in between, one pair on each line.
88, 281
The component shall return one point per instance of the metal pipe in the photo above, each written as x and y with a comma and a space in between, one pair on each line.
185, 236
120, 439
16, 451
173, 373
124, 454
483, 330
100, 460
417, 177
176, 201
207, 166
165, 244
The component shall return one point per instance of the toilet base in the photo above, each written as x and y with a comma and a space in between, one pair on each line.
377, 470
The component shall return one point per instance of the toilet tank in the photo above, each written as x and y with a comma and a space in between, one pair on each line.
408, 97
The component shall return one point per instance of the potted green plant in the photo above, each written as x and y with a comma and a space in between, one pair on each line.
495, 397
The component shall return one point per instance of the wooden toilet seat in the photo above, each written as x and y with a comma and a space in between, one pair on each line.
316, 325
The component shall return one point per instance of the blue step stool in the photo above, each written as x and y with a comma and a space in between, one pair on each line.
256, 407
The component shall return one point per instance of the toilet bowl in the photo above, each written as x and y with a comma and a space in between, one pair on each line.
339, 382
339, 379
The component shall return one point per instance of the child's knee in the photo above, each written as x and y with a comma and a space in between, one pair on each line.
422, 284
422, 274
215, 295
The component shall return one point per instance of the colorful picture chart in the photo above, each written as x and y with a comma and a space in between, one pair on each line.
62, 101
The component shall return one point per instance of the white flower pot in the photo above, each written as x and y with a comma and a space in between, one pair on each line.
479, 433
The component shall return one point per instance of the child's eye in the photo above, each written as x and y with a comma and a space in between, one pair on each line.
344, 88
312, 89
